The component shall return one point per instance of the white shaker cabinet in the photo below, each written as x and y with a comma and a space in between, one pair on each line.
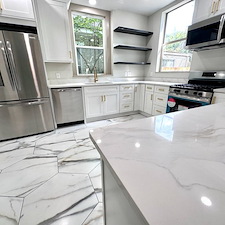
149, 90
126, 98
139, 97
160, 100
52, 19
218, 98
21, 9
101, 101
205, 9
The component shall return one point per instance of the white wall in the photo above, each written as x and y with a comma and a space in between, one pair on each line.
154, 24
209, 60
135, 21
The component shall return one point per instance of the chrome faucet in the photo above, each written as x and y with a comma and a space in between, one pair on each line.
95, 75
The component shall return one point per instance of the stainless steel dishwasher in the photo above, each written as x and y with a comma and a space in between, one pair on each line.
68, 105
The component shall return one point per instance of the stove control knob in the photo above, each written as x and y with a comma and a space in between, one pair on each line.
195, 93
177, 90
200, 94
186, 92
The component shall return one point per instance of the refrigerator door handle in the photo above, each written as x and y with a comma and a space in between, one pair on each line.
13, 66
31, 103
37, 102
12, 82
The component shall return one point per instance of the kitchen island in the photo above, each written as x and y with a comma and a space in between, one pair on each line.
165, 170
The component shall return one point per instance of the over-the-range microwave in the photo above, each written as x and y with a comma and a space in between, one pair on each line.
207, 34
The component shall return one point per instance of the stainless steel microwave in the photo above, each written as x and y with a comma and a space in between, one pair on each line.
207, 34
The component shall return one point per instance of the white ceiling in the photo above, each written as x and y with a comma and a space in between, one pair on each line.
144, 7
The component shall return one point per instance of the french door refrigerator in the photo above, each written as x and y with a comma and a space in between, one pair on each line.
25, 107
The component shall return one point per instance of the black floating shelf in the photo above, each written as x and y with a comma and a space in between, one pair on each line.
132, 48
133, 63
133, 31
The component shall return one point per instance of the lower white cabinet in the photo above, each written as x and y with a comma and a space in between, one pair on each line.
101, 101
139, 97
218, 98
126, 98
160, 100
149, 90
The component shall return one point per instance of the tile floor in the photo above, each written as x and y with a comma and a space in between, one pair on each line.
53, 178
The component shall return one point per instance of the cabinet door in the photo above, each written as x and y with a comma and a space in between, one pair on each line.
94, 104
17, 9
111, 103
139, 97
148, 102
218, 98
205, 9
54, 30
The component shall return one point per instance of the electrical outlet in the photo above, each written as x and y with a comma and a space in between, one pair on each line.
58, 75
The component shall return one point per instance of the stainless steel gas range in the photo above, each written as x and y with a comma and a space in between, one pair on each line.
198, 91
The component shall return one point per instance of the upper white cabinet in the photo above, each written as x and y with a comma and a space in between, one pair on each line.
21, 9
52, 18
205, 9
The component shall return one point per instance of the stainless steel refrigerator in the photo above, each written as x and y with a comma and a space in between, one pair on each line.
25, 107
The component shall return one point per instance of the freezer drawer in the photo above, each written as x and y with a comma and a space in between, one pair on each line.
19, 119
68, 105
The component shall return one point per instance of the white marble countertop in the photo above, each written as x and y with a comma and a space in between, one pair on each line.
219, 90
172, 165
108, 83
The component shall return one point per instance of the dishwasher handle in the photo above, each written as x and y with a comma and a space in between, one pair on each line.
66, 89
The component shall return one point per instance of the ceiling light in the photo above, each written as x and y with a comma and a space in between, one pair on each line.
92, 2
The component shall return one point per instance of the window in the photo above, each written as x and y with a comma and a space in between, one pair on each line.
89, 43
174, 55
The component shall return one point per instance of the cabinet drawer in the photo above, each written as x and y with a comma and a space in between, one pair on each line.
162, 89
126, 96
158, 110
149, 87
160, 99
129, 87
126, 107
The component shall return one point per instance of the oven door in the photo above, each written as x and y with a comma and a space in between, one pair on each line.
175, 103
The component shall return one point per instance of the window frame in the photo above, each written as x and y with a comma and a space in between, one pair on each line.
89, 47
98, 13
162, 37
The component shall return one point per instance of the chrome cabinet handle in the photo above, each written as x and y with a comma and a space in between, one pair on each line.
213, 6
12, 62
161, 89
160, 99
151, 97
104, 98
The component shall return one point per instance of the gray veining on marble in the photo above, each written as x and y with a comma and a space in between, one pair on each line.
80, 159
65, 199
10, 209
25, 176
96, 217
56, 176
54, 143
96, 181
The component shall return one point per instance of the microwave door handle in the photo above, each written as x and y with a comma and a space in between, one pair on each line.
12, 81
221, 40
13, 65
